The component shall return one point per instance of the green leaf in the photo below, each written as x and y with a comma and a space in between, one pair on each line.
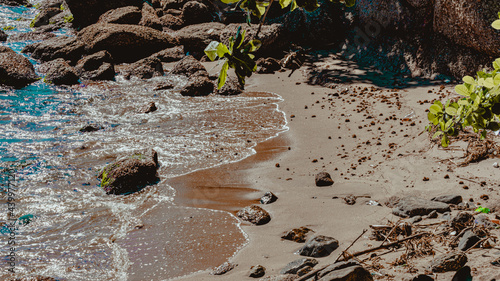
222, 75
451, 111
494, 126
483, 134
437, 134
488, 83
432, 118
462, 90
252, 46
435, 109
222, 50
350, 3
496, 24
496, 64
229, 1
469, 80
211, 50
482, 210
285, 3
445, 141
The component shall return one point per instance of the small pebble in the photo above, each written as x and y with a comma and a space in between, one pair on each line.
495, 165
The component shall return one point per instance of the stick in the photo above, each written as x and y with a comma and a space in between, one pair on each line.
355, 240
263, 19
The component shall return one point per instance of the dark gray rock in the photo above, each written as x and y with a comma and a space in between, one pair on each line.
87, 12
126, 43
188, 66
433, 215
297, 234
91, 128
51, 4
268, 65
44, 16
196, 37
169, 21
68, 48
148, 108
130, 174
356, 272
59, 72
36, 35
144, 69
319, 246
461, 220
94, 61
105, 72
98, 66
295, 266
463, 274
170, 54
15, 70
337, 266
254, 214
194, 12
448, 262
123, 15
3, 36
268, 198
413, 206
448, 199
198, 85
257, 271
232, 87
164, 86
421, 277
223, 268
149, 18
415, 219
468, 240
323, 179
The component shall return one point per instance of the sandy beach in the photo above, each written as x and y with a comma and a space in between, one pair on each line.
372, 141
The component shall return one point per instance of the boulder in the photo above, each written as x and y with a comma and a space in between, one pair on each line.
123, 15
254, 214
105, 71
323, 179
274, 37
44, 16
87, 12
257, 271
297, 265
15, 3
268, 198
170, 54
448, 262
337, 266
194, 12
144, 69
51, 4
356, 272
36, 35
171, 22
59, 72
448, 199
94, 61
198, 85
223, 268
413, 206
268, 65
15, 70
232, 87
319, 246
196, 37
468, 23
173, 4
68, 48
297, 234
130, 174
387, 15
126, 43
3, 36
188, 66
468, 240
149, 18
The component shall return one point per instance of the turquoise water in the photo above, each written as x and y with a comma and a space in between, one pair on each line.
74, 224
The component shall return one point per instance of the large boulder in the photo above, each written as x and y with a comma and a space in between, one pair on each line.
98, 66
87, 12
195, 12
123, 15
414, 206
59, 72
393, 15
299, 266
170, 54
198, 85
149, 17
144, 69
196, 37
130, 174
448, 262
126, 43
15, 70
468, 23
188, 66
169, 21
44, 16
68, 48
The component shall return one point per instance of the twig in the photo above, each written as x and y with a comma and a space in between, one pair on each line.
263, 19
390, 232
355, 240
460, 234
477, 243
468, 180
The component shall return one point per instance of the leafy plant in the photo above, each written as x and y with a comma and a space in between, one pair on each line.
237, 55
479, 106
68, 18
9, 27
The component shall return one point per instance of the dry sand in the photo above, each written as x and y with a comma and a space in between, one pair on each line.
372, 141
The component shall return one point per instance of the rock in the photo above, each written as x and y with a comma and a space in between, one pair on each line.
149, 18
188, 66
391, 15
3, 36
94, 61
461, 220
463, 274
420, 3
319, 246
51, 4
98, 66
323, 179
44, 16
355, 272
448, 262
36, 35
223, 268
254, 214
433, 215
198, 86
171, 22
468, 240
448, 199
297, 234
421, 277
295, 266
87, 12
232, 87
416, 219
144, 69
268, 198
90, 128
15, 70
194, 12
170, 54
68, 48
274, 37
268, 65
413, 206
126, 43
164, 86
59, 72
257, 271
15, 3
483, 219
148, 108
196, 38
130, 174
123, 15
35, 278
105, 72
281, 277
468, 23
337, 266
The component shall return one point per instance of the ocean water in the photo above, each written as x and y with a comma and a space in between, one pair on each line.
75, 230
